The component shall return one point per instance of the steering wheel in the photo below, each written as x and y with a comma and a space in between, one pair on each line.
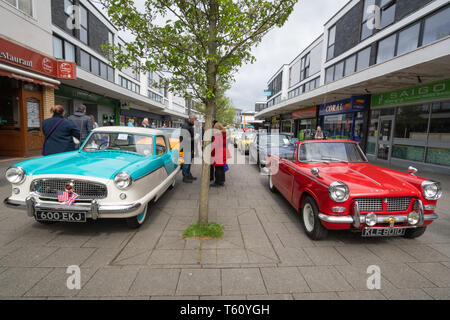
103, 146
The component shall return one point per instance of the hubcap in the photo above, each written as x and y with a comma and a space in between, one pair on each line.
308, 217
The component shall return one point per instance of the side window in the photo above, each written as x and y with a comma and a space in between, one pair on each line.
302, 153
161, 145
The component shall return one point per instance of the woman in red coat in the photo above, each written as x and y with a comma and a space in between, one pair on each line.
219, 155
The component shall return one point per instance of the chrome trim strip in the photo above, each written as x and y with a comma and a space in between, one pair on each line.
430, 217
365, 176
383, 219
14, 204
421, 213
296, 170
356, 215
336, 219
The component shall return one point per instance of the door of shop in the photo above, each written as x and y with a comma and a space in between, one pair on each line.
385, 134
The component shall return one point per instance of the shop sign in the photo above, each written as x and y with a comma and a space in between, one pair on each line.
422, 93
267, 93
275, 119
305, 113
74, 93
14, 54
354, 104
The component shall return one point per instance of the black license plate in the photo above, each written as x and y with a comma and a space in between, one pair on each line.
61, 216
383, 232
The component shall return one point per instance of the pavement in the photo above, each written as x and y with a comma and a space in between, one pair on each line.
264, 252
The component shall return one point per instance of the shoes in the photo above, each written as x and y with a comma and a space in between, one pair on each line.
217, 185
192, 177
187, 180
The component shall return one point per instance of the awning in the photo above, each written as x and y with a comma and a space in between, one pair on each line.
15, 73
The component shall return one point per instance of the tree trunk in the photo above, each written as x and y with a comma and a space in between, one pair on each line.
211, 76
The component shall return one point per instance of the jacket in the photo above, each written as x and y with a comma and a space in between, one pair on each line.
83, 123
61, 139
219, 151
190, 128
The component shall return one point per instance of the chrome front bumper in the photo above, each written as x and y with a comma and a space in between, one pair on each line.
93, 209
356, 220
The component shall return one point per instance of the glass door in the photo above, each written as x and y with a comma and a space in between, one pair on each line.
386, 128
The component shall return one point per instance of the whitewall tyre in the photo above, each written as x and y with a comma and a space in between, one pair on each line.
137, 221
310, 220
271, 185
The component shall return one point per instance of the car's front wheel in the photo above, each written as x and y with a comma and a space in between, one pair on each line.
415, 233
137, 221
310, 220
271, 185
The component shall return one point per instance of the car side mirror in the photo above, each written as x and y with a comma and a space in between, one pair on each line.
315, 172
412, 170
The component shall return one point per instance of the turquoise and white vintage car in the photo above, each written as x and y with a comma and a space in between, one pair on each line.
116, 173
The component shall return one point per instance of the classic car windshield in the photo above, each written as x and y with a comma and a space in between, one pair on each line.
330, 152
134, 143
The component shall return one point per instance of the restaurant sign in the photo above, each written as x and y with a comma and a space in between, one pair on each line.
15, 54
422, 93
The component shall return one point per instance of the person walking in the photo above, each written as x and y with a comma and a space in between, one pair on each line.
188, 155
82, 121
219, 155
145, 123
59, 133
319, 134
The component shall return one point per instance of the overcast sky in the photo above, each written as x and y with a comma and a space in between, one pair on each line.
279, 47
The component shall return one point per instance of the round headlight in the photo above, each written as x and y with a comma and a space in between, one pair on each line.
339, 191
122, 180
371, 219
413, 218
15, 175
431, 190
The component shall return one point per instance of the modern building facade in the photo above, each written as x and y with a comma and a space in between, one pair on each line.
383, 84
39, 41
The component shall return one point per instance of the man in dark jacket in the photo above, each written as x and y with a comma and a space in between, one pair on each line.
188, 155
59, 133
82, 121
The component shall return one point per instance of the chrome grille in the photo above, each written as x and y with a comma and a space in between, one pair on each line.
370, 204
398, 204
48, 188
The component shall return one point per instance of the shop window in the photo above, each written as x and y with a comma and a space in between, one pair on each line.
371, 148
84, 25
85, 60
437, 26
439, 125
412, 122
412, 153
408, 39
438, 156
58, 52
386, 49
331, 42
373, 126
338, 126
363, 60
9, 112
350, 65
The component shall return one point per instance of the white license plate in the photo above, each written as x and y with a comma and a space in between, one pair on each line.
60, 216
383, 232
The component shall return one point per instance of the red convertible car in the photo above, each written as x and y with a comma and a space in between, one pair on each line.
333, 187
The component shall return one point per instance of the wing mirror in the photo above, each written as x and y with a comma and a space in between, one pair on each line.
315, 172
412, 170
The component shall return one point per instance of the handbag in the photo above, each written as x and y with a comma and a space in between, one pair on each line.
50, 133
226, 167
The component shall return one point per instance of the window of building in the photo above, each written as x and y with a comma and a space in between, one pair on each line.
304, 73
363, 60
405, 152
438, 156
69, 51
350, 65
110, 74
373, 125
103, 70
85, 60
437, 26
58, 49
367, 15
411, 122
386, 49
84, 25
331, 42
339, 71
294, 74
439, 125
387, 12
95, 66
25, 6
329, 75
408, 39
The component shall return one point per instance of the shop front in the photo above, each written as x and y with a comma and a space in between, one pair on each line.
27, 82
346, 119
139, 115
412, 126
275, 123
105, 110
286, 124
305, 123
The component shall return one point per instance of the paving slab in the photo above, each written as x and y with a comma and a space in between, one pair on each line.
15, 282
438, 274
324, 279
316, 296
246, 281
27, 256
438, 293
325, 256
64, 257
284, 280
424, 253
362, 295
196, 282
155, 282
403, 276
